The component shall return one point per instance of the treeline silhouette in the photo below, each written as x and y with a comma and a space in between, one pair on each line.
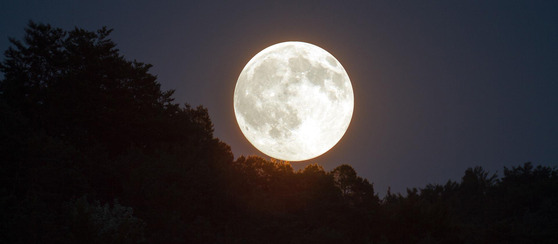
93, 151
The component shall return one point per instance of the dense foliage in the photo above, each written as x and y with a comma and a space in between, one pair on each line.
93, 151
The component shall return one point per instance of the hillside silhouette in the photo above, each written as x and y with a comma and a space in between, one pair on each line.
93, 151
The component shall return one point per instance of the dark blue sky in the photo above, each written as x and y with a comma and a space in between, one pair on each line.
439, 85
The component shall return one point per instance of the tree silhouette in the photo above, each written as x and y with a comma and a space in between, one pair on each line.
352, 187
79, 119
93, 151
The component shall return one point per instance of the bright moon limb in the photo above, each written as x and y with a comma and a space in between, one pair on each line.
293, 101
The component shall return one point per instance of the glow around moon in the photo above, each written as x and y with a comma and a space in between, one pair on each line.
293, 101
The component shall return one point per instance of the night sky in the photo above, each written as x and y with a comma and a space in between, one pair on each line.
439, 86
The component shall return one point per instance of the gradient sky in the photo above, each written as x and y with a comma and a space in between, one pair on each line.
439, 86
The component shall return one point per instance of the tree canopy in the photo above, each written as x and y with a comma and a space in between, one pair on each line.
93, 151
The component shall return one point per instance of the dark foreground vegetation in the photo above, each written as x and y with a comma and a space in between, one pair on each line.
93, 151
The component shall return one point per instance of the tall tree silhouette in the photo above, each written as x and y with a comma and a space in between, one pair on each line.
79, 119
77, 86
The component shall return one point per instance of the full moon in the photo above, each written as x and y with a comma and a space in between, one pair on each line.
293, 101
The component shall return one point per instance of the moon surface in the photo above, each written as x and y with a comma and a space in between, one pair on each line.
293, 101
